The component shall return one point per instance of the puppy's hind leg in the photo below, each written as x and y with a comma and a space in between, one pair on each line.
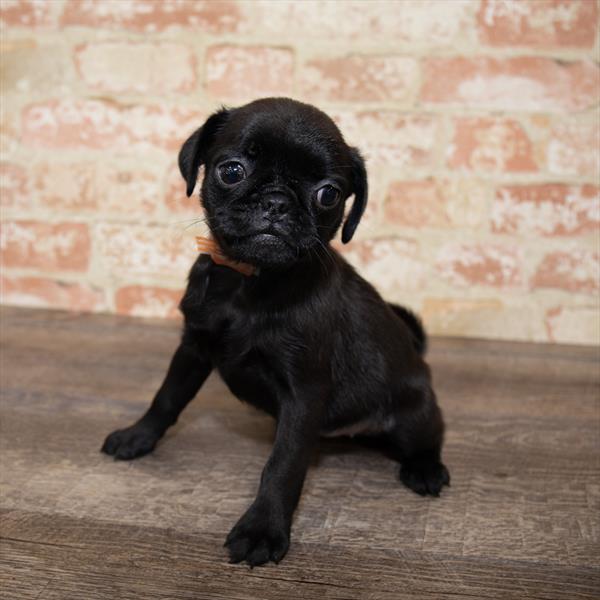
415, 440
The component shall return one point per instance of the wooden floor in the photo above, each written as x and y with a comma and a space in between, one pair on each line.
521, 520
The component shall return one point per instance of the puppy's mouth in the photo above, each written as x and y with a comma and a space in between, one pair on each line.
264, 238
260, 248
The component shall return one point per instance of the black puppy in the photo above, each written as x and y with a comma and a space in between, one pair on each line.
304, 338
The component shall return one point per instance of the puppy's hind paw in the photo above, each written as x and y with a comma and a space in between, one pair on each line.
129, 443
424, 476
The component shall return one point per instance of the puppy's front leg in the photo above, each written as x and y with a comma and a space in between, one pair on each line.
263, 533
189, 369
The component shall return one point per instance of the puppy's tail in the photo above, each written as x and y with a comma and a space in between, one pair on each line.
414, 324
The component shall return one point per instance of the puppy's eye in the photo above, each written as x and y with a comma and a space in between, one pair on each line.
328, 196
231, 173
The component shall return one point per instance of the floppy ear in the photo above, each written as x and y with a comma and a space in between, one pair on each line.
193, 152
361, 193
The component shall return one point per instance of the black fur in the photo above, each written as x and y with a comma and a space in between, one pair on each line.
415, 326
306, 339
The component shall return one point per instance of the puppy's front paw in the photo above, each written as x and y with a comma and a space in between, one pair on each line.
257, 538
134, 441
424, 476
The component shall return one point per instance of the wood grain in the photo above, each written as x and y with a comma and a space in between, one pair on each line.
521, 519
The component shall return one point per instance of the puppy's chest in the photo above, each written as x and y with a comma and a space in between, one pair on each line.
248, 336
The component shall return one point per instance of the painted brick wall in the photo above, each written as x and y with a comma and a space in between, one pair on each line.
479, 119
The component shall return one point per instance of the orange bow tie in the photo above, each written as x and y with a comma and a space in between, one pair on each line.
210, 247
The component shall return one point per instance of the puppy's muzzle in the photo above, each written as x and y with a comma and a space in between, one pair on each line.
275, 206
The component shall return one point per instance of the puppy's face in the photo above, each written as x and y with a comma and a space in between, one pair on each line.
277, 174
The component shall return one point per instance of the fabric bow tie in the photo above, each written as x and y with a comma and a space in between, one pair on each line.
209, 246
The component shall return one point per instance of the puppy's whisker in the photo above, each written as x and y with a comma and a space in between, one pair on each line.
320, 249
315, 249
186, 220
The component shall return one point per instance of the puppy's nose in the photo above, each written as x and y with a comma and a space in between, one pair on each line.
275, 205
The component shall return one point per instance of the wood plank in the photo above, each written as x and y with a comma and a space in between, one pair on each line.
522, 518
104, 560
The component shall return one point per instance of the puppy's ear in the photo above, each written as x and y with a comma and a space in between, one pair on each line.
193, 152
361, 193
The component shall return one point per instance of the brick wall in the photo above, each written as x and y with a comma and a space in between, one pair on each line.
479, 120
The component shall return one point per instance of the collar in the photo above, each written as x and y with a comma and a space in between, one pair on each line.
209, 246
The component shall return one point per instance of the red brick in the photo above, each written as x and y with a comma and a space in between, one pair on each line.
244, 72
548, 209
13, 186
25, 13
151, 16
520, 83
574, 148
480, 264
50, 293
488, 144
99, 187
435, 203
573, 270
391, 264
482, 318
361, 78
105, 125
416, 204
52, 246
573, 324
538, 23
146, 250
144, 301
118, 67
389, 137
9, 136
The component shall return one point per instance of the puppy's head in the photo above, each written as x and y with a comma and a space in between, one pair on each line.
277, 175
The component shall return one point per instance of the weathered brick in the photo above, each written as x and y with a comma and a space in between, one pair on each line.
422, 22
361, 78
480, 264
435, 203
65, 186
52, 246
105, 125
49, 293
573, 324
547, 209
482, 318
245, 72
574, 148
388, 263
13, 186
538, 23
490, 144
520, 83
30, 66
416, 204
103, 187
389, 137
147, 301
570, 270
9, 136
25, 13
145, 250
151, 16
155, 68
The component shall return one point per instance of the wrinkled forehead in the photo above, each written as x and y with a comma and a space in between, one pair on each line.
300, 140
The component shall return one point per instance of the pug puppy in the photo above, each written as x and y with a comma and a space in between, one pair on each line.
304, 337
